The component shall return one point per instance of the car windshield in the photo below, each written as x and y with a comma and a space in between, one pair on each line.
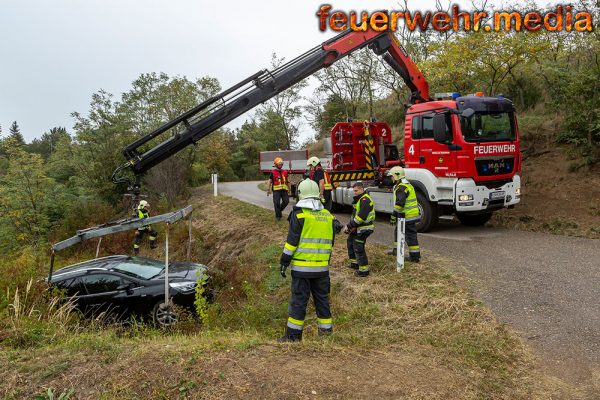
488, 127
140, 267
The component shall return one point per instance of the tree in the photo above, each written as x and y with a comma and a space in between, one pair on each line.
280, 114
48, 143
24, 190
15, 133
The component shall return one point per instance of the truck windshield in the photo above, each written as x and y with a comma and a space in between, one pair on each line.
488, 127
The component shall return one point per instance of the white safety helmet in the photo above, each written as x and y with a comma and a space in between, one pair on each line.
314, 161
308, 188
143, 204
397, 173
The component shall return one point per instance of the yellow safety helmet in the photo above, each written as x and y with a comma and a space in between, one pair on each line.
143, 204
277, 160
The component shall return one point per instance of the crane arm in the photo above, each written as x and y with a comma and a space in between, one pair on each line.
217, 111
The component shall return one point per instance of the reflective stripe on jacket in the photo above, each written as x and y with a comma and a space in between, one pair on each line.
364, 224
316, 242
410, 209
280, 179
326, 181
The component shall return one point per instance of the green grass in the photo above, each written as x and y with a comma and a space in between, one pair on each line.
424, 314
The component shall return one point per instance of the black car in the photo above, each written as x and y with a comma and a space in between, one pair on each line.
123, 285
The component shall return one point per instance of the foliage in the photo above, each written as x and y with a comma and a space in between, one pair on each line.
16, 135
25, 194
279, 116
201, 296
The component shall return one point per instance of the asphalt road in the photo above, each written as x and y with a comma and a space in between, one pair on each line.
545, 286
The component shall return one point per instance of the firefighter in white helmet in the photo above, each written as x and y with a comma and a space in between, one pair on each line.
405, 206
142, 212
308, 250
321, 177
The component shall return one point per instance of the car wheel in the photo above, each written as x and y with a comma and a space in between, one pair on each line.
163, 316
429, 215
474, 219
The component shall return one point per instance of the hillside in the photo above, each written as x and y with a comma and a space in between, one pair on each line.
414, 335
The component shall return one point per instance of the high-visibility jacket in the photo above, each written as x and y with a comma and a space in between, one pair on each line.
280, 179
310, 256
141, 213
363, 205
326, 179
410, 207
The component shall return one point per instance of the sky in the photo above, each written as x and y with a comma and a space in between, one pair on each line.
56, 54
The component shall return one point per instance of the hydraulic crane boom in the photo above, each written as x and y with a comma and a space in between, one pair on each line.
217, 111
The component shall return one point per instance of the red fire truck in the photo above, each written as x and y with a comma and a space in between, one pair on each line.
461, 153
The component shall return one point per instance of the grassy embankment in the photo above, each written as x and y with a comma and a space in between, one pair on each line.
418, 334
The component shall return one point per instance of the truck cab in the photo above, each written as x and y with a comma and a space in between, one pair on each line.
463, 156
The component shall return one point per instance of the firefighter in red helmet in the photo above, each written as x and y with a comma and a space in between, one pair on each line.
279, 186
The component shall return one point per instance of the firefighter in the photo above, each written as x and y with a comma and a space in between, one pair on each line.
142, 212
308, 250
319, 175
279, 186
360, 227
405, 206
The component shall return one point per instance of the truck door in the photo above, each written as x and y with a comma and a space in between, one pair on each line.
429, 154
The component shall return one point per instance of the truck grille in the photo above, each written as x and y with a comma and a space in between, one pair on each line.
489, 166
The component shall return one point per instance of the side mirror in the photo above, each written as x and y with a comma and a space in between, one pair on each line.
127, 286
439, 129
468, 113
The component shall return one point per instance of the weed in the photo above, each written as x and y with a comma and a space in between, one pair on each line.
55, 369
50, 395
559, 226
201, 300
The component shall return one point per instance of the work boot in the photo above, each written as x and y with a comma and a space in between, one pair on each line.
136, 251
153, 245
291, 335
391, 252
354, 265
414, 259
325, 331
362, 274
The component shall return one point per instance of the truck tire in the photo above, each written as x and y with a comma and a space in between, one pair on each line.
429, 215
474, 219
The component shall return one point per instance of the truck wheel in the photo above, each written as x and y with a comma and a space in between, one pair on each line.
474, 219
429, 215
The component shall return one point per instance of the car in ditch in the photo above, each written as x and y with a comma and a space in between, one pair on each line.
122, 285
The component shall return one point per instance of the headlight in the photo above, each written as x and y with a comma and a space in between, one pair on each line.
183, 286
518, 191
465, 197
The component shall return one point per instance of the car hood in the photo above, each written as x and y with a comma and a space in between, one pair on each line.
188, 271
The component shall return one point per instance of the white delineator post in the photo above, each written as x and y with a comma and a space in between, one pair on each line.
400, 245
215, 179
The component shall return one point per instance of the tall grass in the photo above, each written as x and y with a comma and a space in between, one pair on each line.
37, 315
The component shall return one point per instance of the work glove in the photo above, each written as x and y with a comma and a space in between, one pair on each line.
322, 199
337, 226
282, 269
393, 220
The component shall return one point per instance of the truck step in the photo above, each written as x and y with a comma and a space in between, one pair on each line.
447, 217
